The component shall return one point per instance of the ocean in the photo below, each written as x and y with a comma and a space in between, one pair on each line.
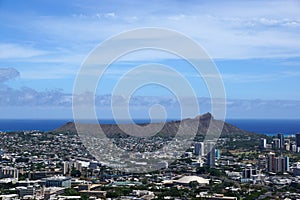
263, 126
268, 126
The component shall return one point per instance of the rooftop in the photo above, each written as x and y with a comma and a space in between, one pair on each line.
188, 179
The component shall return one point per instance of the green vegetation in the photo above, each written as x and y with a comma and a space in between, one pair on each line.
118, 191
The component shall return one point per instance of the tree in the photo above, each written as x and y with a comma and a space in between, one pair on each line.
193, 184
71, 192
75, 172
145, 181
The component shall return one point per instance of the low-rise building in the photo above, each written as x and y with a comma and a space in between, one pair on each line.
9, 172
58, 181
24, 191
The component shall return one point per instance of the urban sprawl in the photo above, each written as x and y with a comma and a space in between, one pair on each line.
50, 165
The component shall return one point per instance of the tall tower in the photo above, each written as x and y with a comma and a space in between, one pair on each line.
286, 164
298, 141
280, 136
211, 155
263, 143
218, 154
279, 161
271, 162
199, 148
276, 143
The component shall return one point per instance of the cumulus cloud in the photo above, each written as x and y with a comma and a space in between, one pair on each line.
30, 97
56, 99
7, 74
139, 107
26, 96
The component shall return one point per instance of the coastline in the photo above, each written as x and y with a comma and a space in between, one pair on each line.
261, 126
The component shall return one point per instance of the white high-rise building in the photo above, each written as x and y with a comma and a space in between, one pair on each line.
199, 148
263, 143
65, 167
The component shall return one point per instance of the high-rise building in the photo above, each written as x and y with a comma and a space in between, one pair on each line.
65, 167
286, 164
280, 136
218, 154
271, 162
278, 164
199, 148
248, 173
69, 165
263, 143
276, 143
286, 147
296, 169
211, 155
262, 162
293, 147
287, 141
298, 140
287, 144
282, 165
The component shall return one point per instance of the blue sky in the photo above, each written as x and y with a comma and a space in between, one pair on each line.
255, 45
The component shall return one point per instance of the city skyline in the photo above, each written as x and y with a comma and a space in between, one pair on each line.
112, 99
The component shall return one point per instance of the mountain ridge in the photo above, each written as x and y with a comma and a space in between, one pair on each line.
168, 129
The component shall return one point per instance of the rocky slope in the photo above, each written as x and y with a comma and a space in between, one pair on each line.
169, 129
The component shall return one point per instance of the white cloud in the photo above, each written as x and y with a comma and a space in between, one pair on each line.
26, 97
251, 78
8, 50
231, 30
110, 15
228, 30
8, 74
42, 73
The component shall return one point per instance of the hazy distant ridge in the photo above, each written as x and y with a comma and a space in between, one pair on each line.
169, 129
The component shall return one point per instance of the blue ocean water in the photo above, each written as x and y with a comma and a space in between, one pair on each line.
268, 126
31, 124
264, 126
